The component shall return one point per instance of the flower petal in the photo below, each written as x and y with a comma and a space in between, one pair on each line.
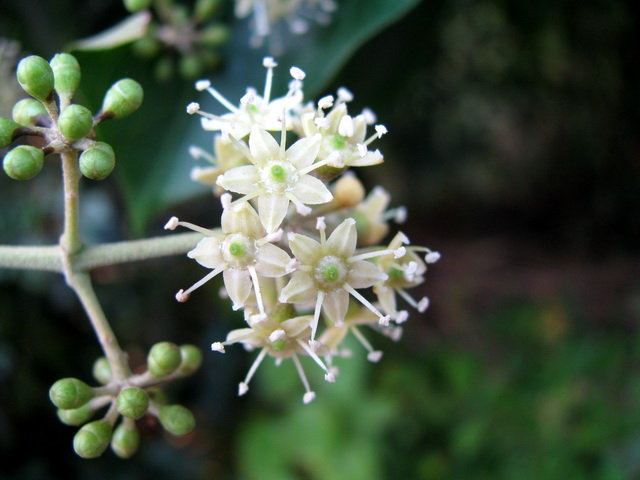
207, 253
333, 336
272, 261
238, 284
262, 145
297, 325
305, 151
370, 158
242, 218
386, 298
363, 274
243, 335
312, 191
335, 306
305, 249
300, 289
342, 240
272, 209
242, 179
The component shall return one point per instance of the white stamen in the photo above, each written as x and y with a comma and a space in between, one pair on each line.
330, 377
308, 397
302, 209
400, 252
335, 159
325, 102
316, 314
273, 237
202, 85
242, 388
217, 347
297, 73
365, 302
172, 223
193, 107
225, 199
346, 353
381, 130
369, 116
374, 356
276, 335
269, 62
362, 149
423, 304
384, 321
315, 345
257, 318
195, 152
256, 287
401, 316
401, 215
320, 225
254, 366
396, 334
181, 296
299, 26
344, 94
322, 123
345, 127
432, 257
248, 97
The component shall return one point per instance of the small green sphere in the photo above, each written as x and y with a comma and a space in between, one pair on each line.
75, 122
93, 439
177, 419
27, 110
35, 76
214, 35
98, 161
66, 73
163, 359
146, 47
205, 9
190, 66
23, 162
70, 393
132, 402
102, 370
123, 98
125, 440
191, 359
76, 416
136, 5
7, 130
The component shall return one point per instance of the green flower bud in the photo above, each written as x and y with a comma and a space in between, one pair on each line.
75, 122
191, 359
26, 111
163, 359
70, 393
157, 395
125, 440
102, 370
163, 70
76, 416
98, 161
204, 9
190, 65
146, 46
122, 99
177, 419
93, 439
66, 73
214, 35
136, 5
23, 162
35, 76
132, 402
7, 130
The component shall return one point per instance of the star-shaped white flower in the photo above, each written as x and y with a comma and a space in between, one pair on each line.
278, 176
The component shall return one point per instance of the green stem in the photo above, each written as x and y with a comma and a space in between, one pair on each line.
70, 241
31, 258
81, 284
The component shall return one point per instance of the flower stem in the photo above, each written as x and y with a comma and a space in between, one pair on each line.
31, 258
70, 241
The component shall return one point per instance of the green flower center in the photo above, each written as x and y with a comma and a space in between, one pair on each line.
279, 345
278, 176
238, 250
337, 142
252, 108
330, 272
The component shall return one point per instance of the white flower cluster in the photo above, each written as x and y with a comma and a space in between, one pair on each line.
280, 199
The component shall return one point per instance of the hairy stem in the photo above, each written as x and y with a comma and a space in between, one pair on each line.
81, 284
31, 258
70, 241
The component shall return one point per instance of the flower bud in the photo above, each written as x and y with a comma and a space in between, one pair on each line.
204, 9
163, 359
26, 111
147, 46
66, 73
75, 122
76, 416
98, 161
190, 65
348, 191
70, 393
177, 419
136, 5
214, 35
23, 162
191, 359
7, 130
35, 76
93, 439
125, 440
102, 370
122, 99
132, 402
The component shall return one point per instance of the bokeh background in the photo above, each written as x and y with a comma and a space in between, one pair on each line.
514, 145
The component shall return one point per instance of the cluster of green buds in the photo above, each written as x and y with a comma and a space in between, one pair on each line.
184, 40
62, 126
128, 400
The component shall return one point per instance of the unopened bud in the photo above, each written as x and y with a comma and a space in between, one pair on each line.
23, 162
76, 416
93, 439
132, 402
66, 73
204, 9
136, 5
122, 99
348, 191
25, 112
7, 131
102, 370
75, 122
177, 419
70, 393
214, 35
98, 161
163, 359
126, 440
35, 76
190, 66
191, 359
